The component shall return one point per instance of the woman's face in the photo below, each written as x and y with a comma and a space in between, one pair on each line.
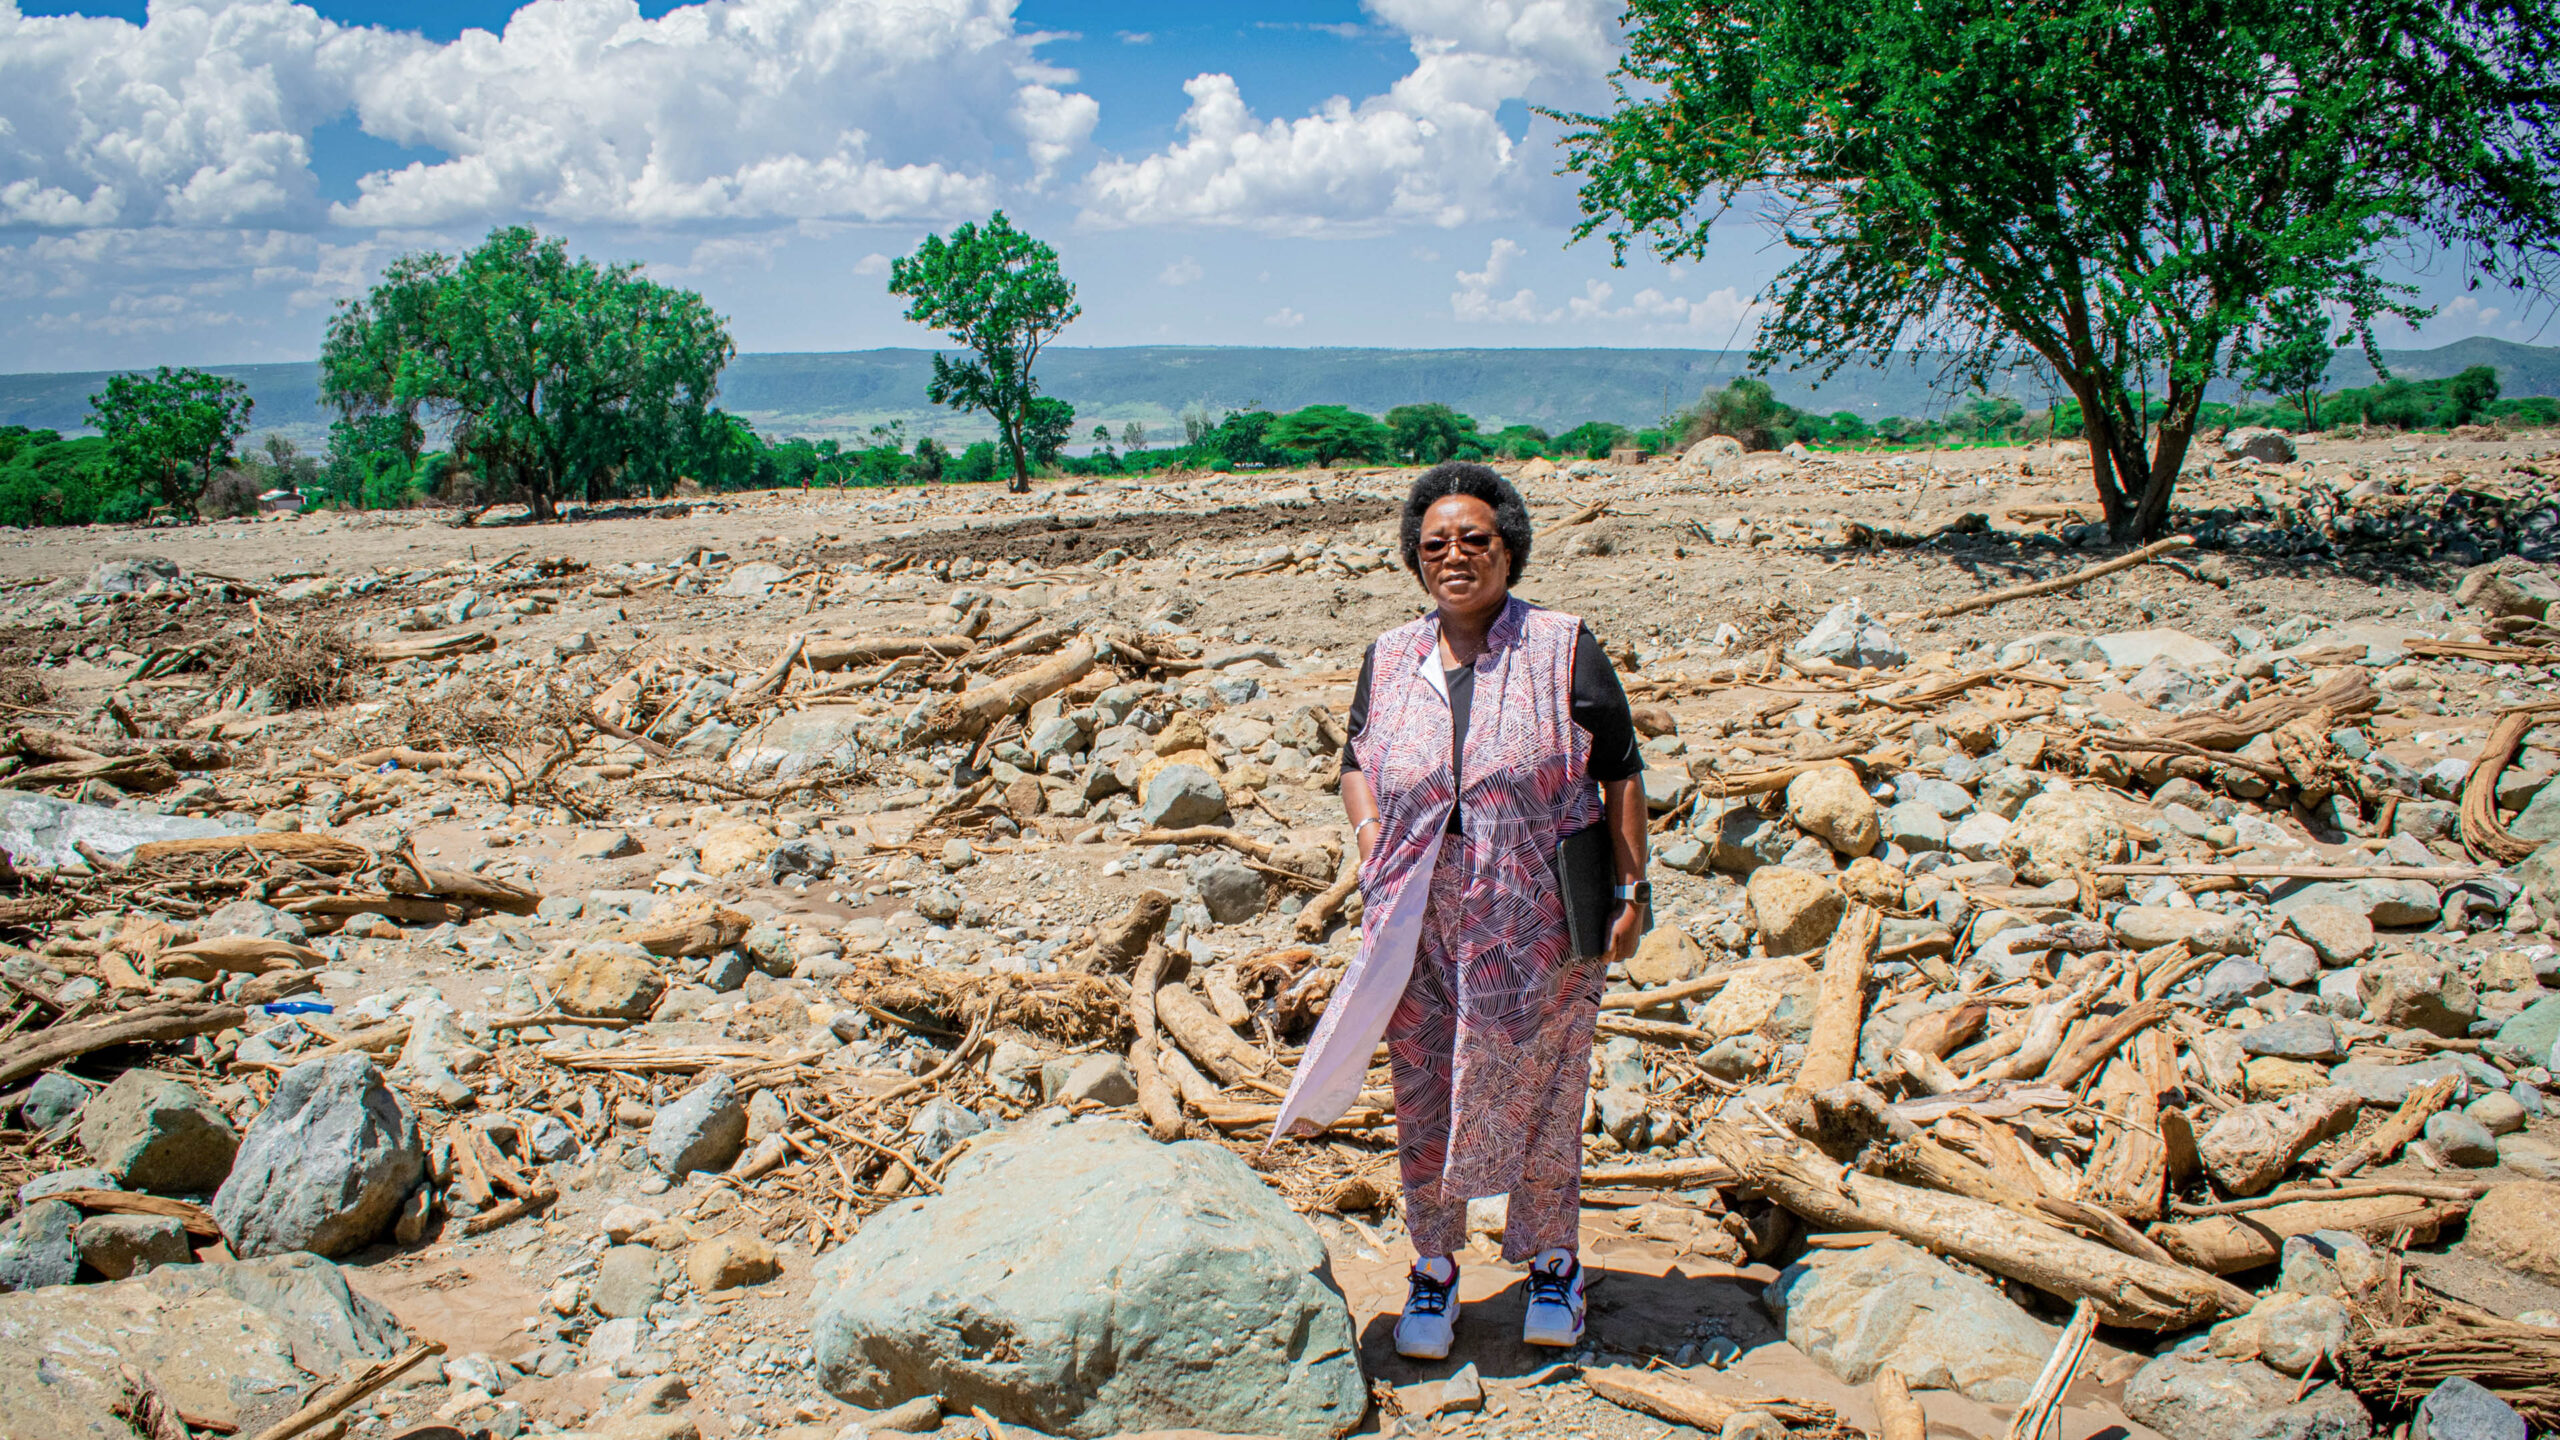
1465, 565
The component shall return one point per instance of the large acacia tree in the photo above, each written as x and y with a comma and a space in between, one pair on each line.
2124, 190
1000, 293
559, 377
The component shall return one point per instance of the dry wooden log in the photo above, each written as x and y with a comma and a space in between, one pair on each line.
1668, 1397
144, 774
335, 1400
1662, 1175
2044, 1398
2433, 874
324, 853
2396, 1130
967, 715
540, 1198
2069, 1069
777, 674
180, 1020
2059, 583
234, 955
2395, 1367
1665, 995
1831, 1054
1730, 784
2350, 692
646, 746
1236, 840
2422, 1189
1927, 1073
438, 647
2127, 1291
1124, 940
148, 1407
198, 1220
2128, 1170
1898, 1415
1941, 1033
410, 909
824, 655
1197, 1031
404, 874
1318, 915
1038, 642
1583, 516
2482, 833
1156, 1100
2229, 1244
1198, 1091
2041, 1036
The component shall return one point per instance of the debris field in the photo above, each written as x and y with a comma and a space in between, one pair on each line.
825, 964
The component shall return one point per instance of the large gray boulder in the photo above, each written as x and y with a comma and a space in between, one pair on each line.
1095, 1282
324, 1167
798, 741
154, 1132
1860, 1310
40, 830
37, 1247
2189, 1394
236, 1344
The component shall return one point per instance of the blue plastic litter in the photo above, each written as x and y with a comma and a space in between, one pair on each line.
299, 1007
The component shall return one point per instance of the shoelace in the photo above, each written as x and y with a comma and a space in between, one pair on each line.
1430, 1297
1551, 1287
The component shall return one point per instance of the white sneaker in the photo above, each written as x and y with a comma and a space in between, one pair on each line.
1430, 1314
1556, 1306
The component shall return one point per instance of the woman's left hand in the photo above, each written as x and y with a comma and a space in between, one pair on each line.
1625, 930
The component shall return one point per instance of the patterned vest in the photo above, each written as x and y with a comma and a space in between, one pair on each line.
1527, 786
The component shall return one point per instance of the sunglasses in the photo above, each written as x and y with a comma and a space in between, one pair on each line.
1466, 542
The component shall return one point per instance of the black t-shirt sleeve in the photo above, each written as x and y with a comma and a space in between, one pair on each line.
1360, 706
1600, 708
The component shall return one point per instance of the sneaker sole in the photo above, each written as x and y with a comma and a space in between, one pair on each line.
1422, 1354
1552, 1339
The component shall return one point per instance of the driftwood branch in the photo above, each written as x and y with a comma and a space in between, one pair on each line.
2059, 583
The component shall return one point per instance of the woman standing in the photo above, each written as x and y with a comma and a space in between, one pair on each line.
1481, 735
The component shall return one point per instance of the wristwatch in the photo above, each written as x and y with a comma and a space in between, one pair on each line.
1640, 892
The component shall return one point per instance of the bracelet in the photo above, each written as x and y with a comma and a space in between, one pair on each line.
1363, 825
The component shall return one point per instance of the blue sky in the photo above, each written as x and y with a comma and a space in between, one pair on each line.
200, 182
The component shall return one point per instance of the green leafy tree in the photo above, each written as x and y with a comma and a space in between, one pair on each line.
558, 376
2287, 353
1330, 434
168, 432
2470, 394
1133, 436
1593, 440
1747, 410
2120, 187
1429, 434
999, 293
976, 465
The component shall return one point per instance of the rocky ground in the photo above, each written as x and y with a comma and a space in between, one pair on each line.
763, 965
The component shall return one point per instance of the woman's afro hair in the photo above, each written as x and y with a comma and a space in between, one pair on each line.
1482, 482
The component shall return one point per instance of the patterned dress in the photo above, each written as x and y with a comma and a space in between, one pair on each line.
1464, 966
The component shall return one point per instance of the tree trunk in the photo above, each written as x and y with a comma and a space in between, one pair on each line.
2177, 428
2097, 425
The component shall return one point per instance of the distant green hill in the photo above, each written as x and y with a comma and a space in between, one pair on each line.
845, 392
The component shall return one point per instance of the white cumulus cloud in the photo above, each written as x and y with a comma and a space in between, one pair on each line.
1284, 318
1181, 272
1474, 300
1431, 150
578, 110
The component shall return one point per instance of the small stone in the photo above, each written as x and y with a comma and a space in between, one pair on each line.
2148, 927
1094, 1079
2412, 992
601, 845
727, 1262
2497, 1112
1888, 1303
118, 1246
919, 1416
1848, 636
704, 1129
1829, 803
626, 1282
2059, 833
52, 1099
2460, 1408
1180, 796
2302, 1036
940, 1126
2338, 935
37, 1248
1666, 956
2290, 962
1794, 912
2518, 1226
2462, 1140
2231, 984
1736, 1057
153, 1132
1233, 891
609, 984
